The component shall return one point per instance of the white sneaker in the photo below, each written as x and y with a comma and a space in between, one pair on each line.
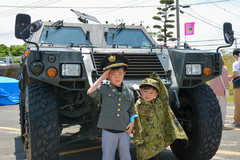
232, 121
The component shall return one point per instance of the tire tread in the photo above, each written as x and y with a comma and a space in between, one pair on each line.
44, 127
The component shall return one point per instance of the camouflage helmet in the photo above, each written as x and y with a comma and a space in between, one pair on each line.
153, 80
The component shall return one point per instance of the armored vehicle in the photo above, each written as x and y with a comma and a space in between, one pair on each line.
62, 60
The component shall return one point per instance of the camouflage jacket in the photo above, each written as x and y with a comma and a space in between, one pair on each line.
156, 126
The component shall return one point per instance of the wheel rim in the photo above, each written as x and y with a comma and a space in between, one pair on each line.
188, 125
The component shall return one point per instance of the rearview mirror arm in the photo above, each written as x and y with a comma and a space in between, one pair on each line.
223, 47
37, 57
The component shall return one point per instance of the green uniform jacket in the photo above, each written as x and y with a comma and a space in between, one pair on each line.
117, 108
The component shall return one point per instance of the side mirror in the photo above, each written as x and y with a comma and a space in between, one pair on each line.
22, 22
228, 33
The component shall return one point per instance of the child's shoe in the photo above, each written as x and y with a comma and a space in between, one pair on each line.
232, 122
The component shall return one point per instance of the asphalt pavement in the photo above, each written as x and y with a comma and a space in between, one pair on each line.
12, 148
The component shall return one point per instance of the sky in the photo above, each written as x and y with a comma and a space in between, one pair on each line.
208, 15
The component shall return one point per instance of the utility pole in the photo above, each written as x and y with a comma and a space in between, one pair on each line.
177, 21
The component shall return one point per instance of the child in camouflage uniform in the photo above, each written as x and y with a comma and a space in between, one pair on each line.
156, 127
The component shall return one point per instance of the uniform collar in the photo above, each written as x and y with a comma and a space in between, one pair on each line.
115, 91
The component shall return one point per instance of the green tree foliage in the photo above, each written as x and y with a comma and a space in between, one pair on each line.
3, 50
164, 16
15, 50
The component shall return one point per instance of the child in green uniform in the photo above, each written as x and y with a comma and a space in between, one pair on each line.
156, 127
116, 118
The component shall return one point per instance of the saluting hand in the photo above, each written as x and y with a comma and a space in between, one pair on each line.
105, 74
98, 82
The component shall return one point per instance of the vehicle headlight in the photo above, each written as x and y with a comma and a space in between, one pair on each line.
71, 69
193, 69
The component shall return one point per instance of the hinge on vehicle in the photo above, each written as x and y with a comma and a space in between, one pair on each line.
169, 72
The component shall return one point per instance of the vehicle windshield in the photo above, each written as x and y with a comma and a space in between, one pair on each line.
63, 36
131, 37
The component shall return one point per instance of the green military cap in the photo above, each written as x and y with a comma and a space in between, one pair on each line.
153, 80
113, 60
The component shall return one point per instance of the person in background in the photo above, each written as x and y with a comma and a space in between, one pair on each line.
235, 78
218, 88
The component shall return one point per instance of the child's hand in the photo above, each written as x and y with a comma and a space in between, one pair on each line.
129, 127
105, 74
98, 82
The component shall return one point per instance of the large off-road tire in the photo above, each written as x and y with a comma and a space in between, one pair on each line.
22, 114
205, 129
42, 122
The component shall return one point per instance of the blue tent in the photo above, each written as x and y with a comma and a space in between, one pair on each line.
9, 92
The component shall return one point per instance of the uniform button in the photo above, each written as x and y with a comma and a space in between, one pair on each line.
118, 115
119, 104
109, 94
118, 109
119, 99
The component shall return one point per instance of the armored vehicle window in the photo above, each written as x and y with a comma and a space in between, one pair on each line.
63, 35
131, 37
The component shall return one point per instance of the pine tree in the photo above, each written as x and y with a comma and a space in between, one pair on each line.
164, 17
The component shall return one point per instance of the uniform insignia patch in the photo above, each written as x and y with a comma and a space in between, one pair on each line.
112, 58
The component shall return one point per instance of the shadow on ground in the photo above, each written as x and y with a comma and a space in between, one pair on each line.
19, 149
85, 150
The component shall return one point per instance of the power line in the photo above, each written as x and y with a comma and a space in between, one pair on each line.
79, 7
8, 33
206, 40
112, 9
206, 19
225, 10
115, 7
208, 22
209, 45
124, 6
210, 2
235, 4
12, 12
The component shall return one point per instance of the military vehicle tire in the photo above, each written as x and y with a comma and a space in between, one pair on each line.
42, 122
205, 130
22, 114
